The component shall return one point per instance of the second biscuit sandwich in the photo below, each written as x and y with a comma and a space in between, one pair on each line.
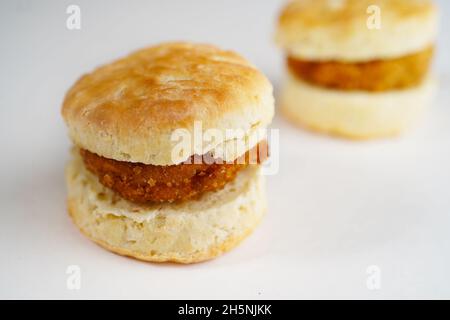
357, 68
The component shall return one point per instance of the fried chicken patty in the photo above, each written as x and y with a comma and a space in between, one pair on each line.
143, 183
377, 75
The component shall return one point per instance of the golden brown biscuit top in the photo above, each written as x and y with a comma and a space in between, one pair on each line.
339, 13
127, 110
356, 30
164, 85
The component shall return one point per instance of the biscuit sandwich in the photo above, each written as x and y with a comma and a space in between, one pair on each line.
357, 68
146, 180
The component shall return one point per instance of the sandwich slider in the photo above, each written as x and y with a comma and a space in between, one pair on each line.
167, 151
357, 68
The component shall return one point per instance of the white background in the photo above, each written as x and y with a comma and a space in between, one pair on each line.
336, 207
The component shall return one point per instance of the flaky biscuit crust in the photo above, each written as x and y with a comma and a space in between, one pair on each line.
338, 29
127, 110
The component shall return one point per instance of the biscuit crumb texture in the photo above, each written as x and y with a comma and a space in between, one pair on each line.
356, 115
186, 232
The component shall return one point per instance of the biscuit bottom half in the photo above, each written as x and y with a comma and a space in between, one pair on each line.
355, 114
187, 232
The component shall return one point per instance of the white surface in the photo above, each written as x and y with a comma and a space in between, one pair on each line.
336, 207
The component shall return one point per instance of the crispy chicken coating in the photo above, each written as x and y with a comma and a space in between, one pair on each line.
377, 75
141, 183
